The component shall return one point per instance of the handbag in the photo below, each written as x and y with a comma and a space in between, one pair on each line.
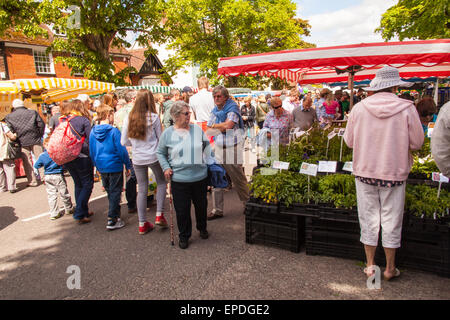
13, 150
9, 149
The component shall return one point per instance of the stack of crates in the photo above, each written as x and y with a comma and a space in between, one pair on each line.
265, 225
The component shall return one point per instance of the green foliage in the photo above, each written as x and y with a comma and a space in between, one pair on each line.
416, 19
290, 187
422, 200
424, 163
202, 31
338, 189
312, 148
286, 187
104, 24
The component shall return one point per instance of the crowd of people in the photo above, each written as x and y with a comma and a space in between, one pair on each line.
178, 135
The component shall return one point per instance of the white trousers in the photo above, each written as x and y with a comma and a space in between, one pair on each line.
380, 206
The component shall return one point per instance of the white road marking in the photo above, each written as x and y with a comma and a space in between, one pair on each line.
48, 213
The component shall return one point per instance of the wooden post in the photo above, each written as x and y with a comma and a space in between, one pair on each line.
351, 76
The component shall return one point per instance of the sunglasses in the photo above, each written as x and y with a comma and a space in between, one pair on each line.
217, 96
277, 107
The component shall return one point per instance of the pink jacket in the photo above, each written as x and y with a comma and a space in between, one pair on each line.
331, 109
382, 129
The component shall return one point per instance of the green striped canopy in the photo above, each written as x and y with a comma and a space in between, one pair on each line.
153, 89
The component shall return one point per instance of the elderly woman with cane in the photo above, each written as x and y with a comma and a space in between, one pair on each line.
180, 152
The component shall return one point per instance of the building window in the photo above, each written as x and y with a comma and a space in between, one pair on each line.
43, 62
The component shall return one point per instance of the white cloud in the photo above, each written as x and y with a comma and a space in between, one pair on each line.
351, 25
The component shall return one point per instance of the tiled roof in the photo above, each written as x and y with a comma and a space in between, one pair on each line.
19, 37
137, 58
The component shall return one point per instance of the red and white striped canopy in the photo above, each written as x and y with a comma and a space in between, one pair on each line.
424, 58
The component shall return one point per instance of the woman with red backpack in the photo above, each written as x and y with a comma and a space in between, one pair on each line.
81, 169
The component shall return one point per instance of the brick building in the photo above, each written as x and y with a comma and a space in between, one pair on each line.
25, 58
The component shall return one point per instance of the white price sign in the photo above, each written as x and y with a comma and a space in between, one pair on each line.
341, 132
327, 166
439, 177
280, 165
348, 166
308, 168
268, 171
331, 135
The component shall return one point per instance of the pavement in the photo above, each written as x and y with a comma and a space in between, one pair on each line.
37, 253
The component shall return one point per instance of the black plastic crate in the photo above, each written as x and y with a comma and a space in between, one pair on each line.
290, 237
269, 214
301, 209
426, 245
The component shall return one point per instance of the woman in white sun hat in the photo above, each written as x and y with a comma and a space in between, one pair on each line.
382, 129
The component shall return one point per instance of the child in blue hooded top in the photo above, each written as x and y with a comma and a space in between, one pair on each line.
109, 156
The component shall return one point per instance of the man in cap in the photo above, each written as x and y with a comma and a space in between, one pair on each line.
382, 129
186, 94
29, 127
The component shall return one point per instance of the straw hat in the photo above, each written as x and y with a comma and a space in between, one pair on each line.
387, 77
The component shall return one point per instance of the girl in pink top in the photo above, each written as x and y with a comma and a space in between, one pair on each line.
331, 106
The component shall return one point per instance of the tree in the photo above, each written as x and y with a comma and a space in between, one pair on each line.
416, 19
202, 31
103, 24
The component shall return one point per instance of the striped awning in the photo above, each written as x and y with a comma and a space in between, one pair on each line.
53, 89
424, 58
153, 89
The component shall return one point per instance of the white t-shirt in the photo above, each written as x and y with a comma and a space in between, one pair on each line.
288, 105
202, 104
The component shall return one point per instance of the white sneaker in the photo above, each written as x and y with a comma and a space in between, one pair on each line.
115, 225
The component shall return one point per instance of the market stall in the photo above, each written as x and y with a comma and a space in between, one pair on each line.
307, 196
423, 58
47, 90
34, 92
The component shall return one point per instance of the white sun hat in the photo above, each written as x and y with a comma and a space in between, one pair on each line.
387, 77
17, 103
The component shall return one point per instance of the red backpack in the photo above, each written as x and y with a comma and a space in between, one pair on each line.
63, 145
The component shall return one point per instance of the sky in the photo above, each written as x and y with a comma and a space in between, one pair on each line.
333, 22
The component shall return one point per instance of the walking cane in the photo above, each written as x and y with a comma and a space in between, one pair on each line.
171, 213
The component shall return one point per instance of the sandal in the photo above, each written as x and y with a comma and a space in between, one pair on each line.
396, 275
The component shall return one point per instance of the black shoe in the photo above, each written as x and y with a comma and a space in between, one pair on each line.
204, 234
183, 244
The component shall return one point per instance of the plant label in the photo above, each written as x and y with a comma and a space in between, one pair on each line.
327, 166
300, 133
348, 166
430, 129
268, 171
308, 168
280, 165
331, 135
341, 132
439, 177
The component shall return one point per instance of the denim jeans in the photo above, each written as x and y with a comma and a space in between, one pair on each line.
113, 183
82, 172
130, 190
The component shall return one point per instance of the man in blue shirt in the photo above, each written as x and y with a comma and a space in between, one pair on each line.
228, 129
